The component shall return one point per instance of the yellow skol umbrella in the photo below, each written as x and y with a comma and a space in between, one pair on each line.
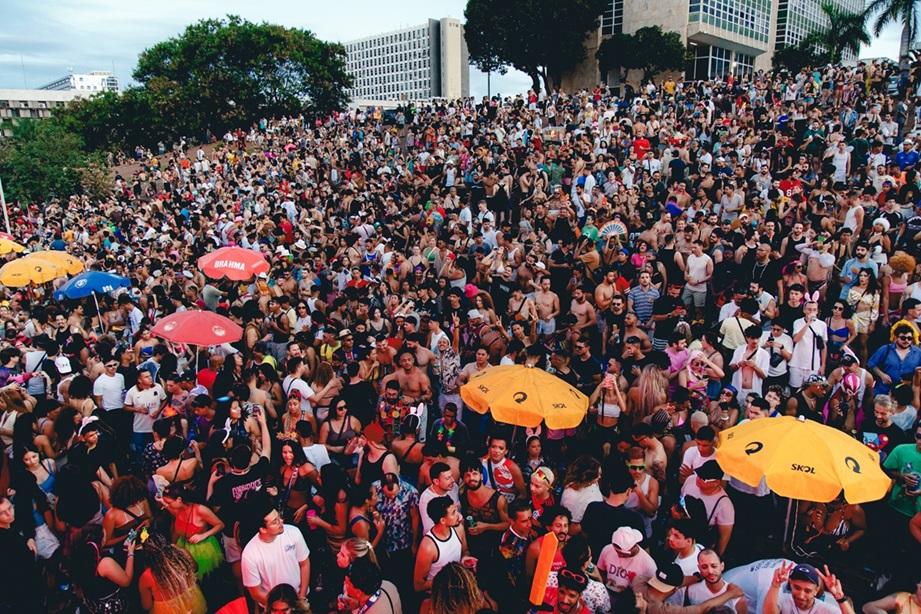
70, 264
24, 271
802, 459
7, 246
525, 396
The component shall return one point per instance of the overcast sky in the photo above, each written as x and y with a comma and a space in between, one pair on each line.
41, 42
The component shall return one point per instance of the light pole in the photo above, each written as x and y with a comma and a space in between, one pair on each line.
6, 214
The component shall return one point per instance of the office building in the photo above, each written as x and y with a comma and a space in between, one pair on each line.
724, 36
95, 81
797, 18
17, 105
416, 63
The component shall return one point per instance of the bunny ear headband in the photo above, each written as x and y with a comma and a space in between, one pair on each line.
812, 298
418, 410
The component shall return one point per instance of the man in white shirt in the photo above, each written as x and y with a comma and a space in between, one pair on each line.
277, 555
804, 582
706, 485
145, 400
710, 567
623, 560
109, 394
750, 363
443, 485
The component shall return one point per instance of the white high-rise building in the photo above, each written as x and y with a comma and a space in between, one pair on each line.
95, 81
416, 63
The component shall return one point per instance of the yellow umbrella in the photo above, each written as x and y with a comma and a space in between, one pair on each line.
525, 396
802, 459
24, 271
70, 264
7, 246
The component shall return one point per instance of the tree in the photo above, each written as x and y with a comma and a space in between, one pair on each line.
618, 51
222, 73
657, 51
796, 57
846, 32
42, 159
542, 38
903, 12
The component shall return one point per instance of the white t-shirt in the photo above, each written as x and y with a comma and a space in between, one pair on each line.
621, 571
755, 580
296, 383
269, 564
698, 593
720, 511
318, 455
427, 495
111, 389
151, 399
693, 459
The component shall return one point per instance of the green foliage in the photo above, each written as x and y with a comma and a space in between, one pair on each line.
906, 13
542, 38
796, 57
846, 32
223, 73
43, 159
618, 51
650, 49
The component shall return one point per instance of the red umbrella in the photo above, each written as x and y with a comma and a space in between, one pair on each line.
197, 328
234, 263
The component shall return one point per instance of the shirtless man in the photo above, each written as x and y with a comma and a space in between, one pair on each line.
584, 312
424, 356
632, 329
414, 383
604, 292
435, 451
385, 355
548, 308
819, 263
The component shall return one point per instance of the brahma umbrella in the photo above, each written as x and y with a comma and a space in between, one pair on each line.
234, 263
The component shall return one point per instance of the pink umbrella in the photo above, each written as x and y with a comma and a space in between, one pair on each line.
234, 263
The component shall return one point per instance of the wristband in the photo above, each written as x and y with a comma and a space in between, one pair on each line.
842, 600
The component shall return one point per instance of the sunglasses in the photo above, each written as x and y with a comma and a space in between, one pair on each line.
579, 579
917, 435
636, 467
905, 337
837, 308
111, 365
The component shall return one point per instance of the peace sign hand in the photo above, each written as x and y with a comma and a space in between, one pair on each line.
832, 583
781, 574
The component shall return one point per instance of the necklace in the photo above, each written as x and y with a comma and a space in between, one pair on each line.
445, 435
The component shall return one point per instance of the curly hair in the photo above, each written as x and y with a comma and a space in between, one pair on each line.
902, 262
582, 472
455, 591
126, 491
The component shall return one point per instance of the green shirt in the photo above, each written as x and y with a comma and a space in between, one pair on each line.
898, 460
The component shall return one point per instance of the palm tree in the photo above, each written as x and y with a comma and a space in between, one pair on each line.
905, 12
846, 32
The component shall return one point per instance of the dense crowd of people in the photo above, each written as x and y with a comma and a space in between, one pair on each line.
689, 256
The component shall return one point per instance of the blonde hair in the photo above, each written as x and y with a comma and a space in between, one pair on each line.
356, 548
173, 570
455, 591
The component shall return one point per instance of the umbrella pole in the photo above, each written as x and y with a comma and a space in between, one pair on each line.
786, 523
98, 313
